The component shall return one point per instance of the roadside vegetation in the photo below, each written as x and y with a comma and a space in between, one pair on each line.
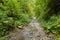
48, 14
15, 13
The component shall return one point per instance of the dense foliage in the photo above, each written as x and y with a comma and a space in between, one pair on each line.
48, 14
13, 13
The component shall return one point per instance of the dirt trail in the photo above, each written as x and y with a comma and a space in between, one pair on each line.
38, 32
32, 32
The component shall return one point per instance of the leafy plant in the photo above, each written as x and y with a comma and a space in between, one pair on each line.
48, 15
13, 13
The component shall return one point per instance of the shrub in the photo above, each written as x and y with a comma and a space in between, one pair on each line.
12, 15
48, 15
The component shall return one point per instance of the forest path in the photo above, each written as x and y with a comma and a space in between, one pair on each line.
33, 31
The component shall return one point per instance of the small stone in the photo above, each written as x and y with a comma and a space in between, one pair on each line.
20, 27
30, 36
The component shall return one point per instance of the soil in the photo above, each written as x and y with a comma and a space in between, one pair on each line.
33, 31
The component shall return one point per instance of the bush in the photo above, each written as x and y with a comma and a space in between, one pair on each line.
48, 15
12, 15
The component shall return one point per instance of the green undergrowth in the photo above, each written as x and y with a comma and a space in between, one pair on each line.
13, 13
48, 15
3, 38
